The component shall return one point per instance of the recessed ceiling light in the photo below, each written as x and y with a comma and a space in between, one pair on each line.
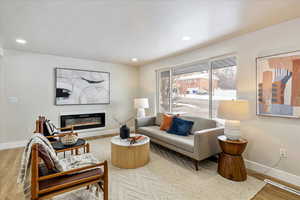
186, 38
134, 59
21, 41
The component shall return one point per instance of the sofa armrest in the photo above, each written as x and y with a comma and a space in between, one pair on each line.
146, 121
206, 142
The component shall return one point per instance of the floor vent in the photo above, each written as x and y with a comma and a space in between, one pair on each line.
286, 188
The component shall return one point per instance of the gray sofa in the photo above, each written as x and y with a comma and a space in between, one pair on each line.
201, 144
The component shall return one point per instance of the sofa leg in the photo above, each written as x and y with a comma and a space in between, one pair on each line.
196, 165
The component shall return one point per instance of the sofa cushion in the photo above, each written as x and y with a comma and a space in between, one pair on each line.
71, 179
166, 122
200, 123
46, 132
184, 142
158, 119
181, 127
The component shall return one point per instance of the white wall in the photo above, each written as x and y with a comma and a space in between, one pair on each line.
265, 135
1, 93
30, 78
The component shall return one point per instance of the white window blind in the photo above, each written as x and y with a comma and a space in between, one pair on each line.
191, 68
225, 62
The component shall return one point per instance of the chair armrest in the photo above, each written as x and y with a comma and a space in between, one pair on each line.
78, 170
146, 121
86, 147
210, 131
62, 134
207, 139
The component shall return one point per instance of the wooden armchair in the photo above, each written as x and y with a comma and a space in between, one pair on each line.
40, 128
53, 184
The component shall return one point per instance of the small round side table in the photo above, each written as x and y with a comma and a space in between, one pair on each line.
231, 163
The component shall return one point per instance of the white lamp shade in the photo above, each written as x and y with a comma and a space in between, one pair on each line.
233, 109
141, 103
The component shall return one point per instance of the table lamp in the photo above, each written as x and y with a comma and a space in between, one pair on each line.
140, 104
233, 111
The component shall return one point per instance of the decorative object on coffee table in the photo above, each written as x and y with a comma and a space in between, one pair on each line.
124, 132
233, 111
231, 164
129, 156
136, 139
140, 104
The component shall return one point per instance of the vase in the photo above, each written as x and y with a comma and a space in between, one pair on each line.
124, 132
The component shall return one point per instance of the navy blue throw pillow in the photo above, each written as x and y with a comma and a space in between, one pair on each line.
181, 127
173, 128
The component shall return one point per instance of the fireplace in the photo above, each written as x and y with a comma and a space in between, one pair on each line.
83, 120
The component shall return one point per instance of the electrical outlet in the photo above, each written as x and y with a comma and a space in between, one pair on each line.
283, 153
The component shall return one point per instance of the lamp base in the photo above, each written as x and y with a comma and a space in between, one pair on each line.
232, 130
140, 113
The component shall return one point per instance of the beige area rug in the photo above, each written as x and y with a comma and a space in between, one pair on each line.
168, 176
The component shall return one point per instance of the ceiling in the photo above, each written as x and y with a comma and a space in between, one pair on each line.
116, 31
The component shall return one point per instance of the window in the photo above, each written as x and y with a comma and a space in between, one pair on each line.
223, 81
190, 90
164, 87
196, 89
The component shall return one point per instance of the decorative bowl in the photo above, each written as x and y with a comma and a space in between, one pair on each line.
69, 139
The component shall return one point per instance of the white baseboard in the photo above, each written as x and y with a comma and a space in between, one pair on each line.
275, 173
98, 133
17, 144
12, 145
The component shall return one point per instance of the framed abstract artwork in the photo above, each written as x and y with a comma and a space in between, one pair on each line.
278, 85
81, 87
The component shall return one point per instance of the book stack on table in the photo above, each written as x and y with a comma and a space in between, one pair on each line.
136, 139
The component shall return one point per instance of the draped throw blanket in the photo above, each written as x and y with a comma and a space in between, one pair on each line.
24, 177
61, 165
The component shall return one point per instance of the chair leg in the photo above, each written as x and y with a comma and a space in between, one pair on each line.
101, 186
105, 182
196, 162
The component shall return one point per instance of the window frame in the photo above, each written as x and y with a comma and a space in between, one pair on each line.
157, 93
210, 71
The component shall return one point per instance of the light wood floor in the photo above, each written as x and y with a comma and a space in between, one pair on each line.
9, 190
9, 165
270, 192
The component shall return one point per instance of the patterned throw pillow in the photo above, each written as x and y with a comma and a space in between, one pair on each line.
51, 127
181, 127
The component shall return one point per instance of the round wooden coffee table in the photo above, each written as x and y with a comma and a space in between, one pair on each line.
129, 156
